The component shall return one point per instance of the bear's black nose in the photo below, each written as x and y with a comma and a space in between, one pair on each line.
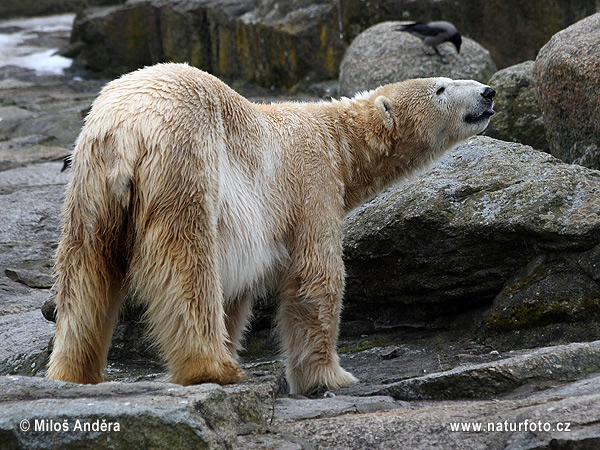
488, 93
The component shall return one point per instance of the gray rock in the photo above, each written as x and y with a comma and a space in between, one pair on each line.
29, 213
290, 43
35, 274
153, 415
12, 116
42, 116
518, 117
567, 78
25, 150
30, 202
49, 309
585, 386
23, 336
536, 369
447, 241
506, 424
417, 354
382, 55
512, 30
32, 362
272, 43
295, 409
20, 8
553, 298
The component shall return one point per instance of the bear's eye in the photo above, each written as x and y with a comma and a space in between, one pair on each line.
440, 91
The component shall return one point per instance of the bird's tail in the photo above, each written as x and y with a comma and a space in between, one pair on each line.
407, 26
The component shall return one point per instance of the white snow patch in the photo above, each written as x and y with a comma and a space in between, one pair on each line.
14, 51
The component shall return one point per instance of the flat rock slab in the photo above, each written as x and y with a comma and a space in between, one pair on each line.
507, 424
27, 150
30, 201
557, 364
23, 333
39, 413
306, 408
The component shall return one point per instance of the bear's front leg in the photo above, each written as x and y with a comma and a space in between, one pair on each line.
309, 314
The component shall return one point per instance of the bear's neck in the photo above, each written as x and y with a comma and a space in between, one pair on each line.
370, 157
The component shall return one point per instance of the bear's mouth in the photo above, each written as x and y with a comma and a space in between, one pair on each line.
479, 117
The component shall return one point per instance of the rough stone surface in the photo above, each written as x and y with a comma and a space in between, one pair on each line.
272, 43
149, 415
20, 151
35, 274
554, 298
28, 8
22, 334
518, 117
447, 241
512, 30
30, 202
42, 117
536, 369
567, 79
290, 43
382, 55
298, 409
451, 425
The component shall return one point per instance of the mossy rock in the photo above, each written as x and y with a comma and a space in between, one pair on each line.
518, 117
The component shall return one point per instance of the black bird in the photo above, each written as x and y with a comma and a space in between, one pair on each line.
434, 33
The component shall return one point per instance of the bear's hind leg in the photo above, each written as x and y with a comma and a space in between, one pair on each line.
175, 271
237, 317
88, 298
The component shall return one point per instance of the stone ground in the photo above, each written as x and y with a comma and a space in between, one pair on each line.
415, 387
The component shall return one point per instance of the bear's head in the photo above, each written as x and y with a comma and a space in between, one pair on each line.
438, 112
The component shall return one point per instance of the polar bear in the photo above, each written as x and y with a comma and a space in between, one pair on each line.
196, 200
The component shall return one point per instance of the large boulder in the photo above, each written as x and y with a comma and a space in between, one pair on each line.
512, 30
567, 77
382, 55
518, 117
454, 239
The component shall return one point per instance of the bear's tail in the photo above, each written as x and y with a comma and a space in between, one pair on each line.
91, 258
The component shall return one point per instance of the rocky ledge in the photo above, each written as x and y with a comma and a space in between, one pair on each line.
536, 412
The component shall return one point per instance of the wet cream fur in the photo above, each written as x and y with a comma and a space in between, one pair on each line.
196, 200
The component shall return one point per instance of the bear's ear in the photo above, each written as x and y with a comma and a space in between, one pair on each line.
383, 106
